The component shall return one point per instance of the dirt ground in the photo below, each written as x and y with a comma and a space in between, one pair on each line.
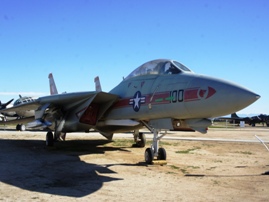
230, 165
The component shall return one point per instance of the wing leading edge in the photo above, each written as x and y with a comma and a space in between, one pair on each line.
60, 106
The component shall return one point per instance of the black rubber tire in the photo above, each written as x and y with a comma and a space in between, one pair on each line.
161, 154
142, 142
18, 127
22, 128
148, 156
49, 139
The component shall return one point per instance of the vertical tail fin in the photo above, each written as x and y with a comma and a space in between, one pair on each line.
4, 106
53, 89
97, 84
234, 115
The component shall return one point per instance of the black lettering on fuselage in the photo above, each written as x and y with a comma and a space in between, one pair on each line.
177, 96
174, 96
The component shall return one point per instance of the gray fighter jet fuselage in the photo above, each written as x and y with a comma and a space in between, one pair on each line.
154, 94
159, 95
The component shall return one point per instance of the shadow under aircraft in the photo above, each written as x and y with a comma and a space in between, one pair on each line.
27, 164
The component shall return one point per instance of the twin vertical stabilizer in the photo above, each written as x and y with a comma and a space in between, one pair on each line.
53, 89
97, 84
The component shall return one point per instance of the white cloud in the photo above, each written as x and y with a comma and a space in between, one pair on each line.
23, 93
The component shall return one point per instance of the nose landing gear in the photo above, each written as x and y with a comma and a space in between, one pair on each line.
154, 154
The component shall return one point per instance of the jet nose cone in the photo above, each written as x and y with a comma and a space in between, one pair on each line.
241, 97
218, 97
257, 97
238, 97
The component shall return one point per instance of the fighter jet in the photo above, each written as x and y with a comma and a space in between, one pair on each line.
158, 95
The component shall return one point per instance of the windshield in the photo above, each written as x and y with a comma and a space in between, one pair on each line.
181, 66
157, 67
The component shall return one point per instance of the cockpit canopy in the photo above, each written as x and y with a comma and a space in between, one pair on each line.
159, 67
23, 100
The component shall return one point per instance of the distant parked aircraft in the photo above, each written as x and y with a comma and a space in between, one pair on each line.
17, 116
262, 118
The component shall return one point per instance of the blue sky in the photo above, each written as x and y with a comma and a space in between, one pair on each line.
78, 40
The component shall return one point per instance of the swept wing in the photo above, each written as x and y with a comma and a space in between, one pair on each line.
58, 107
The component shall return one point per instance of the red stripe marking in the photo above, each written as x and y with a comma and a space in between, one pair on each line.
191, 94
126, 101
211, 91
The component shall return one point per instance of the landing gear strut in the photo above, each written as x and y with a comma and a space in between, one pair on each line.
154, 150
58, 134
140, 139
50, 138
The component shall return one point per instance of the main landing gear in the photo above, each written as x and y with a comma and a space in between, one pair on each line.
140, 139
154, 152
50, 138
20, 127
